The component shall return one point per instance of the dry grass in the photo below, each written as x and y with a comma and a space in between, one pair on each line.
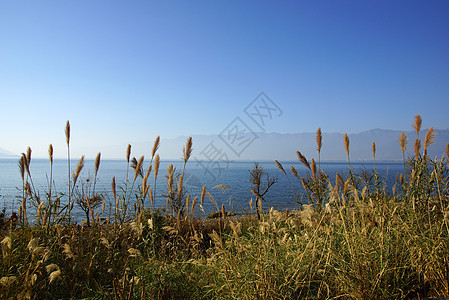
354, 240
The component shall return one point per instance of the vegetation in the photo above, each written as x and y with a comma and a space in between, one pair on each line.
353, 240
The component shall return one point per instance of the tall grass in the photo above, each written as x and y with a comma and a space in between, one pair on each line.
351, 238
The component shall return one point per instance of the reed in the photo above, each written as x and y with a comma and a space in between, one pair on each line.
417, 125
319, 139
351, 242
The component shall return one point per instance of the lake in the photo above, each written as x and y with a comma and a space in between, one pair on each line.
198, 173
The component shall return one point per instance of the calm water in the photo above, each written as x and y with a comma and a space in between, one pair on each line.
235, 175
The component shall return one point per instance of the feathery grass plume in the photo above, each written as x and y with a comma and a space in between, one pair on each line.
67, 139
180, 186
144, 186
303, 160
417, 147
223, 212
6, 246
114, 191
203, 192
403, 142
319, 139
346, 140
67, 133
295, 172
28, 188
279, 166
55, 275
195, 200
68, 251
187, 204
26, 164
417, 124
97, 163
147, 174
138, 167
374, 150
50, 153
339, 180
155, 146
79, 167
7, 281
156, 166
22, 163
187, 150
128, 153
33, 243
170, 172
429, 139
29, 156
313, 168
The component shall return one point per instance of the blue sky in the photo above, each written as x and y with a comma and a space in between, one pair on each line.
125, 72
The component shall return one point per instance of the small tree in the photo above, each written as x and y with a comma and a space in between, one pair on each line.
259, 188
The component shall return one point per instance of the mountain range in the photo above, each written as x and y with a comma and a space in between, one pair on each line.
5, 153
283, 146
260, 146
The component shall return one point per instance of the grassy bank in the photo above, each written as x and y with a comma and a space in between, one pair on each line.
353, 240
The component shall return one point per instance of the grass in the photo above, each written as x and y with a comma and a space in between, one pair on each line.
353, 240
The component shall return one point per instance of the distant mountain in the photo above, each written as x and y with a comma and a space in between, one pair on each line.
5, 153
280, 146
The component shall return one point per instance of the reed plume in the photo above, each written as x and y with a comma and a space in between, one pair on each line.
155, 146
67, 139
319, 139
187, 150
195, 200
313, 168
79, 167
374, 150
156, 166
180, 186
128, 153
303, 160
97, 166
22, 164
114, 191
29, 155
138, 167
429, 139
147, 174
417, 124
339, 180
346, 140
295, 172
203, 192
403, 142
67, 133
50, 153
97, 163
417, 147
170, 172
279, 166
26, 163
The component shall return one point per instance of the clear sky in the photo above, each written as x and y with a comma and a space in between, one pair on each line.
127, 71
